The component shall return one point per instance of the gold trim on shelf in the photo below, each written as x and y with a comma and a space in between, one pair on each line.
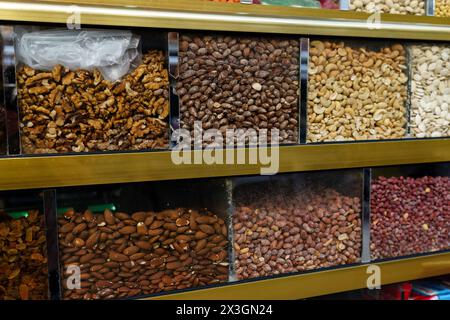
70, 170
205, 15
323, 282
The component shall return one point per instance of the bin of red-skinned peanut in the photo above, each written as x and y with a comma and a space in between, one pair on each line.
409, 216
122, 255
413, 7
23, 258
356, 93
284, 234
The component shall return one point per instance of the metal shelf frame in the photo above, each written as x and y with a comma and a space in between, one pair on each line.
27, 172
205, 15
319, 283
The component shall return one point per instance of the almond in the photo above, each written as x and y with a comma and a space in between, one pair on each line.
68, 227
109, 217
137, 256
173, 265
170, 226
91, 242
79, 228
156, 224
206, 228
155, 232
127, 230
87, 257
88, 216
200, 244
98, 261
200, 235
78, 242
149, 220
157, 275
122, 216
115, 256
143, 245
156, 262
131, 250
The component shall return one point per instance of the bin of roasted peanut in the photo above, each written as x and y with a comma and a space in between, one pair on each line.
411, 7
410, 211
90, 91
442, 8
292, 224
121, 255
430, 90
23, 257
356, 93
230, 82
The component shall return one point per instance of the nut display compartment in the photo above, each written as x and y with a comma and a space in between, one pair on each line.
296, 222
410, 210
430, 90
23, 247
232, 81
405, 7
442, 8
143, 239
356, 92
92, 90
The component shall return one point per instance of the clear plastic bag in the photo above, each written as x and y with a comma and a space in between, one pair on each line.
110, 51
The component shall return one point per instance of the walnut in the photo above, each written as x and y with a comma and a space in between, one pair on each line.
79, 111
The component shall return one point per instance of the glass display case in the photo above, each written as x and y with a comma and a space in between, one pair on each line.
231, 82
410, 210
356, 92
430, 90
91, 90
23, 247
296, 222
142, 239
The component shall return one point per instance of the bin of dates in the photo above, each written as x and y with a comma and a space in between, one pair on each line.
239, 82
296, 223
125, 253
410, 210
